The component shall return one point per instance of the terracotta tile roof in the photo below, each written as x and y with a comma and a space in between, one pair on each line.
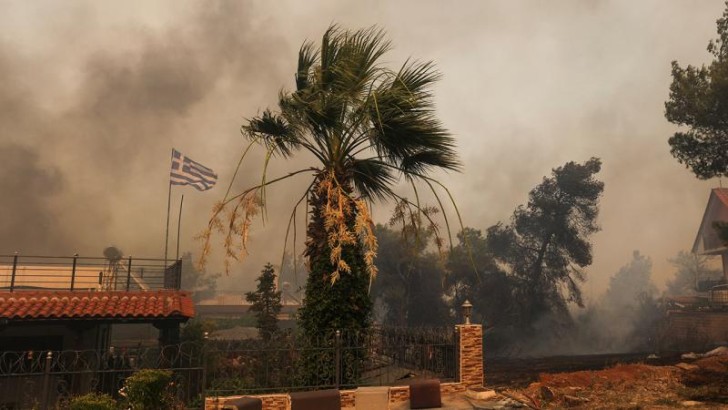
49, 304
722, 194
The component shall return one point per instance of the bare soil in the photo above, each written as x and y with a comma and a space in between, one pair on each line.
701, 384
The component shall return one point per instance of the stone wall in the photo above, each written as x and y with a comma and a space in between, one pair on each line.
348, 399
397, 394
471, 355
270, 401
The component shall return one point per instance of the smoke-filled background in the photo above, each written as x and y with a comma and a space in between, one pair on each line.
93, 96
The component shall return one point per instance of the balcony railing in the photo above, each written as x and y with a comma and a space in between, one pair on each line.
76, 273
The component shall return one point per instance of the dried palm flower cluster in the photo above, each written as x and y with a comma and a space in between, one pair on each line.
233, 219
338, 213
236, 228
409, 216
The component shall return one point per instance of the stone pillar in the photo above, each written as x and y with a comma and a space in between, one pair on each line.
470, 349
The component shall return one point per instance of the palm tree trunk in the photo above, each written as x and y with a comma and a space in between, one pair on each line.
343, 305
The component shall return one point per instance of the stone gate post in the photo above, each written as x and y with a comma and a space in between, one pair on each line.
470, 351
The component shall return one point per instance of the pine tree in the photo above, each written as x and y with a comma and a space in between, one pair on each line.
547, 244
266, 303
698, 104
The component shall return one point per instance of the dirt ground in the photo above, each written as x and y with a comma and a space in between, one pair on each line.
699, 384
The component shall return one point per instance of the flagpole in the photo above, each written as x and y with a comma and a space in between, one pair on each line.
166, 234
179, 224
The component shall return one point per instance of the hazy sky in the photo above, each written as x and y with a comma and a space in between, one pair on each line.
93, 96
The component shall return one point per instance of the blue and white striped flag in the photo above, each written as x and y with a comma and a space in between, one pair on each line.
188, 172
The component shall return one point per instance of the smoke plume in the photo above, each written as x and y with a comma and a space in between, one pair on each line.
94, 95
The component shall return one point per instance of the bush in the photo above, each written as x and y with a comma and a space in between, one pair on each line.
149, 389
92, 401
194, 330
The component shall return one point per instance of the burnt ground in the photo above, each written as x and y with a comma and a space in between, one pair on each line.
520, 372
563, 382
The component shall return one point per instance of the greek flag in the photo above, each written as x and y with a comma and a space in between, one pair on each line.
188, 172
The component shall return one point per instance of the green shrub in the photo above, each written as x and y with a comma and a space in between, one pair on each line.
194, 330
92, 401
149, 389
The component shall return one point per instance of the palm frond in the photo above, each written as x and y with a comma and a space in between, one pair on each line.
307, 57
357, 63
275, 132
372, 178
328, 53
404, 123
422, 162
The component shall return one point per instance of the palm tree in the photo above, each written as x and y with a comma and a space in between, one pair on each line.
367, 126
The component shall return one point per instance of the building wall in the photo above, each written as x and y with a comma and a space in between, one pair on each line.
29, 336
134, 334
696, 330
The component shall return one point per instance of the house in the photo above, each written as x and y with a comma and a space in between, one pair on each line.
707, 241
74, 303
700, 321
59, 317
43, 320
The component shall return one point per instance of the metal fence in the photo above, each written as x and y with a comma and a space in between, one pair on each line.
76, 273
47, 380
336, 359
282, 362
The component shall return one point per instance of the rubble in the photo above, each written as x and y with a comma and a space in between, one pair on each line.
686, 366
718, 351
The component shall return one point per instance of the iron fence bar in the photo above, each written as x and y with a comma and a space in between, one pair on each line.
15, 267
337, 360
205, 338
73, 271
456, 336
46, 380
178, 284
128, 275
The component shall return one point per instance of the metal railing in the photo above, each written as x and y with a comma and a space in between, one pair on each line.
284, 362
336, 359
76, 273
49, 379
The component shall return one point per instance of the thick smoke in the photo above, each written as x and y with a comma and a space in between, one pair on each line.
29, 213
91, 168
94, 95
